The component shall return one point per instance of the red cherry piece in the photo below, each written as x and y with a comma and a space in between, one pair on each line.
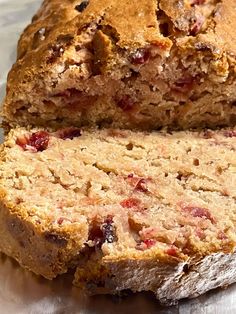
229, 133
171, 251
130, 202
142, 186
36, 142
140, 56
199, 212
39, 140
149, 243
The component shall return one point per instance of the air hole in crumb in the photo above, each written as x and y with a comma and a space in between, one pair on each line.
188, 150
166, 174
233, 104
129, 146
164, 29
179, 176
186, 268
105, 189
82, 6
196, 162
106, 122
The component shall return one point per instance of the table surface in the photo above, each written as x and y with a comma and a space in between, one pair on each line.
20, 291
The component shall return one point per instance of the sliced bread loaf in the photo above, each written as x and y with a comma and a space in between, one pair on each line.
127, 64
131, 210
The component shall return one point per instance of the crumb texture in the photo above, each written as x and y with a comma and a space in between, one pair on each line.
111, 200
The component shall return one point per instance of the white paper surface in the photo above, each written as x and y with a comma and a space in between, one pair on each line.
23, 293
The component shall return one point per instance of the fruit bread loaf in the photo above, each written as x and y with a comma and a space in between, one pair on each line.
131, 210
127, 64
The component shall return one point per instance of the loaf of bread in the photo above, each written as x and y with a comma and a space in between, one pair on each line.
127, 64
131, 210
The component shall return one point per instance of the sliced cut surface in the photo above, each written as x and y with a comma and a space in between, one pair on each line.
127, 64
115, 202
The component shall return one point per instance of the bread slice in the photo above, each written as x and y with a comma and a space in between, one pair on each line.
127, 64
131, 210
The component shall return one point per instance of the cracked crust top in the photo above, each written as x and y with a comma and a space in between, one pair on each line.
130, 24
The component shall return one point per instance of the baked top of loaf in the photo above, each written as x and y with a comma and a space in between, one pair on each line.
125, 64
134, 25
167, 197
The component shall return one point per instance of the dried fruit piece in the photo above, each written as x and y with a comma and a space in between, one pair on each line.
172, 251
142, 186
130, 202
95, 235
145, 244
229, 133
199, 212
37, 142
149, 242
140, 56
106, 232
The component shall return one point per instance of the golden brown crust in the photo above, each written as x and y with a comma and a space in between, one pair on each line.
34, 48
32, 240
37, 248
191, 46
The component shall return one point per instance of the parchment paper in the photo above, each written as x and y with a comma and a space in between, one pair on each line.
22, 292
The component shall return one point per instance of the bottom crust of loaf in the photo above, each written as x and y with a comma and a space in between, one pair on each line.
169, 283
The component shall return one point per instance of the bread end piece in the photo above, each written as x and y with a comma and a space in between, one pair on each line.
126, 65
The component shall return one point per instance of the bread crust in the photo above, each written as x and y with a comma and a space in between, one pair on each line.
31, 240
25, 242
37, 248
170, 282
78, 66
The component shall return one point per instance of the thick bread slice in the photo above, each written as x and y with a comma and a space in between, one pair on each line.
141, 211
126, 64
